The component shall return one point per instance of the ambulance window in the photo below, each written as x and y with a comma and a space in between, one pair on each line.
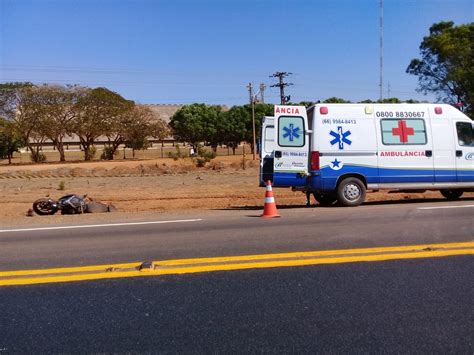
465, 134
403, 132
291, 131
269, 140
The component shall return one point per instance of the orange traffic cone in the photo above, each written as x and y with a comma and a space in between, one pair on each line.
269, 210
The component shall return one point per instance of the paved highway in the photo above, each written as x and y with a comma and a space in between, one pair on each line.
224, 233
410, 305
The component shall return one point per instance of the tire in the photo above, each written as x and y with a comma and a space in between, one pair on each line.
44, 207
351, 192
452, 195
325, 199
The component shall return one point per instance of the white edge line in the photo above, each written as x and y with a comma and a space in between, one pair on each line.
100, 225
444, 207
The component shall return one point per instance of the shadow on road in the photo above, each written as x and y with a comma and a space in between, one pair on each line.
370, 203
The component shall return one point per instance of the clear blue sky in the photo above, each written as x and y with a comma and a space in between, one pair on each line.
184, 51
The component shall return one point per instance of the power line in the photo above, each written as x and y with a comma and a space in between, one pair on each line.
280, 75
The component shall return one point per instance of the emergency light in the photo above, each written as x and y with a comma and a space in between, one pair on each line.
438, 110
323, 110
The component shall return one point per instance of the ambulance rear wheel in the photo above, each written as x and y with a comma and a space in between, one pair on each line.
452, 194
325, 199
351, 192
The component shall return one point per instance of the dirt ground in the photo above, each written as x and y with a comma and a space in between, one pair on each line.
159, 185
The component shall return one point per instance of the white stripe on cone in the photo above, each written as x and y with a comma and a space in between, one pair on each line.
269, 200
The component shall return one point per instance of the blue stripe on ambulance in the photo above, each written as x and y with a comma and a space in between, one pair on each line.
374, 175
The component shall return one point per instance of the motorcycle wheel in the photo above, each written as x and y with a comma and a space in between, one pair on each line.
44, 207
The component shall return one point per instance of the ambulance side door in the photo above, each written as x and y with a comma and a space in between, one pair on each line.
406, 148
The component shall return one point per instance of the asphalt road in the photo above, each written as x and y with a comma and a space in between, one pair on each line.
409, 306
238, 232
398, 306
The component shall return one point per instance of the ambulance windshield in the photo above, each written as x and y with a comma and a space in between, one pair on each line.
465, 132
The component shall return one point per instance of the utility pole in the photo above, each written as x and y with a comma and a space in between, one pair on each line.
262, 91
280, 75
252, 102
381, 50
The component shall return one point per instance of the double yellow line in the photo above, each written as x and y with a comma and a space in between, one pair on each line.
187, 266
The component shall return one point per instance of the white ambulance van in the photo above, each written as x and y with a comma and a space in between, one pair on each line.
339, 151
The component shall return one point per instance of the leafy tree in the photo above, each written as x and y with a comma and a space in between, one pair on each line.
196, 123
233, 126
20, 103
143, 123
10, 141
159, 128
11, 96
390, 100
446, 67
96, 112
336, 100
57, 113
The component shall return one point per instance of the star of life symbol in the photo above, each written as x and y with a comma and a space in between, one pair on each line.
336, 164
340, 137
292, 132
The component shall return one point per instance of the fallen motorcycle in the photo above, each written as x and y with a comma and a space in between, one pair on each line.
69, 204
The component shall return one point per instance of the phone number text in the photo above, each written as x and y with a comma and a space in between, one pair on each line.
400, 114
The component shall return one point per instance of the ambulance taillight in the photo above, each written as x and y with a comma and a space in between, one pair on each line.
315, 160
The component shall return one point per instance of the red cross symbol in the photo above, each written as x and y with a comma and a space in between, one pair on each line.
403, 131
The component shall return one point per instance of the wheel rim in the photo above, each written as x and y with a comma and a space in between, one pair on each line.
352, 192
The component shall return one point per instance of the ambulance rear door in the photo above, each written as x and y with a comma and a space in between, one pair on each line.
291, 156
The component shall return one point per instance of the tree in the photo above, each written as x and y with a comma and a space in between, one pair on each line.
143, 123
10, 141
11, 96
233, 126
20, 103
196, 123
336, 100
96, 112
57, 113
446, 67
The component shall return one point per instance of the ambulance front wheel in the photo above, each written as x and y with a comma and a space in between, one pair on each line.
351, 192
452, 194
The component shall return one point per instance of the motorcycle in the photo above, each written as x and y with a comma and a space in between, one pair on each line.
69, 204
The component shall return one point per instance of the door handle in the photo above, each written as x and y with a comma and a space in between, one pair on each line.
429, 153
459, 153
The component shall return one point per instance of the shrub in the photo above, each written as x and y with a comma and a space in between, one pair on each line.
107, 153
204, 156
37, 157
177, 154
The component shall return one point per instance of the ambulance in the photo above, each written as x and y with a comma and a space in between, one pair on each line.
338, 152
